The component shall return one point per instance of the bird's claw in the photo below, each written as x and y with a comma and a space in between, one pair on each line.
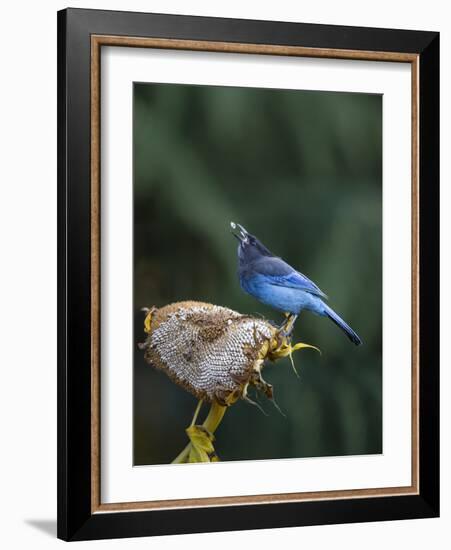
287, 327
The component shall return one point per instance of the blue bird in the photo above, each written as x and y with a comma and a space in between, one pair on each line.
275, 283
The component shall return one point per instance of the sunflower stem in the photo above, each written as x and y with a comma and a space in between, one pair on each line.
214, 417
211, 423
196, 412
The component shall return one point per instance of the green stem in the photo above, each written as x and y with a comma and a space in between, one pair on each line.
181, 458
196, 412
214, 417
211, 423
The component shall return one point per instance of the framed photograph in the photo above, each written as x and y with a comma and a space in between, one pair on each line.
248, 274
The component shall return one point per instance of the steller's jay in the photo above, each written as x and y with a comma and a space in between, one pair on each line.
275, 283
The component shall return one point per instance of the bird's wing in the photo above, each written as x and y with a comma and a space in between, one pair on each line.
299, 281
279, 273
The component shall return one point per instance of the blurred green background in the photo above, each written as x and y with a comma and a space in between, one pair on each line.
303, 172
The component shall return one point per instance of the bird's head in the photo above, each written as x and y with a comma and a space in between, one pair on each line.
249, 247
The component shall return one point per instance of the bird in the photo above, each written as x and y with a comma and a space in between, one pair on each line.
275, 283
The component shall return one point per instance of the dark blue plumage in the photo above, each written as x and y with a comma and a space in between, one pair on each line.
275, 283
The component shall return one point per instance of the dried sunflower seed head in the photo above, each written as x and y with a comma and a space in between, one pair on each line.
211, 351
216, 354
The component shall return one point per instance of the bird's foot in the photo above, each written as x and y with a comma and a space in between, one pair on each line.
287, 327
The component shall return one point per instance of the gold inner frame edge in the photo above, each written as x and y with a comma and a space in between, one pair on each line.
97, 41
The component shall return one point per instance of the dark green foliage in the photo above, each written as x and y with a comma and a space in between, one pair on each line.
302, 171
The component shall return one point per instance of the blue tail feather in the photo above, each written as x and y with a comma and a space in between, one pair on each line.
353, 336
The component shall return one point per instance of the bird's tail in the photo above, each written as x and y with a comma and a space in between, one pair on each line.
353, 336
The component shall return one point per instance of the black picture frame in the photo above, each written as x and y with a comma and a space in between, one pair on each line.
76, 519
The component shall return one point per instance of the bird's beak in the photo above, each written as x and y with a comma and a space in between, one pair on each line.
238, 231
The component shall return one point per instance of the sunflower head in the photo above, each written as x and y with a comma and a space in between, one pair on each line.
213, 352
